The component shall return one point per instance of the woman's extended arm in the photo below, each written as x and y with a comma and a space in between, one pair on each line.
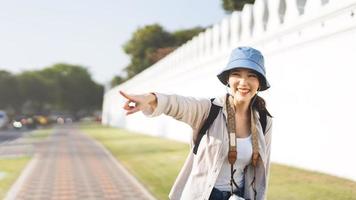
186, 109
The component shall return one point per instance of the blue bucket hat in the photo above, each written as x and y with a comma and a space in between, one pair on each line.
246, 58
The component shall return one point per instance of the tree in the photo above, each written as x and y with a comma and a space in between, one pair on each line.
117, 80
144, 42
61, 87
158, 54
74, 88
152, 43
34, 91
182, 36
232, 5
9, 92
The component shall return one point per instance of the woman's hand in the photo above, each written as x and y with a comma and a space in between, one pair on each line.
136, 103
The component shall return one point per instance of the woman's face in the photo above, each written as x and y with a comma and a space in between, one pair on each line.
244, 84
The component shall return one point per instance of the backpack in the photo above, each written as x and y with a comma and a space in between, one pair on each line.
214, 111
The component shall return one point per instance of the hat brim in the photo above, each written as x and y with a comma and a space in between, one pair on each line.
244, 64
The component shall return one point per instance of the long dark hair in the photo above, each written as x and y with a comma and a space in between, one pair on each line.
260, 105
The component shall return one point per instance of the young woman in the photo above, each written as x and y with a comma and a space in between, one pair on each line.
231, 158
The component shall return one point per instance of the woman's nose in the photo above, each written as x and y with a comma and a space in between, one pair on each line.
242, 81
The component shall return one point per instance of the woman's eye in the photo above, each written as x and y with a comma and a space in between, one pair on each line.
252, 75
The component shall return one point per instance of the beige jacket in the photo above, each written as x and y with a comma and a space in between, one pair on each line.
199, 173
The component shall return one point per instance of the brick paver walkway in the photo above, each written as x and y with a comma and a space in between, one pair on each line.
70, 165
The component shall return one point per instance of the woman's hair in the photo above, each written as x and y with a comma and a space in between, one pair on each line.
260, 104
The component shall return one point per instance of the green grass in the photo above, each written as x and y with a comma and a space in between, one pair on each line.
156, 162
295, 184
10, 168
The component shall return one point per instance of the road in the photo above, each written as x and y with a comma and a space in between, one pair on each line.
10, 135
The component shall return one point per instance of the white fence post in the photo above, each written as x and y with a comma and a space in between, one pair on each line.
312, 6
235, 27
247, 22
225, 34
259, 10
216, 38
273, 16
291, 11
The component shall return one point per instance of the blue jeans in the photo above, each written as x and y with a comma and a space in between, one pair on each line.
224, 195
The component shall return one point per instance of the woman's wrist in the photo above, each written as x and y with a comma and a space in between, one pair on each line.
152, 100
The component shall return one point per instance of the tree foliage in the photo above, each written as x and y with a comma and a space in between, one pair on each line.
149, 44
232, 5
182, 36
75, 90
9, 91
117, 80
144, 42
61, 87
34, 91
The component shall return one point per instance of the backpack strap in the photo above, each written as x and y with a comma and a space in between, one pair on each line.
263, 120
213, 113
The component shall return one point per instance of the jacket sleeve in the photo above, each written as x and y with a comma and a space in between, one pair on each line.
186, 109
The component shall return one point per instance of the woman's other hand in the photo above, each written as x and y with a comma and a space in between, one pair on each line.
136, 103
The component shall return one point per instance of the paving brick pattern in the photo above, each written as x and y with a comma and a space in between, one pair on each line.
72, 166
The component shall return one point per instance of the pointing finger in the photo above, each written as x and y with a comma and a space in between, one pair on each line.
125, 95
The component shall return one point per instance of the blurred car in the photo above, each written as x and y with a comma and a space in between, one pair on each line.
4, 120
41, 120
16, 124
64, 120
19, 122
24, 122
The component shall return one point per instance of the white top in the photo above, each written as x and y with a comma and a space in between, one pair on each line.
244, 156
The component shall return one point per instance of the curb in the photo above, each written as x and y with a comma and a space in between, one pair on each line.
16, 187
123, 169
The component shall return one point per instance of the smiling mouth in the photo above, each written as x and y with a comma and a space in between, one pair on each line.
243, 91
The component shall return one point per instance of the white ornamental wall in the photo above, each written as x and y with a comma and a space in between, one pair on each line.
310, 56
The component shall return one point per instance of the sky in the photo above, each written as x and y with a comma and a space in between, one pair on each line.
35, 34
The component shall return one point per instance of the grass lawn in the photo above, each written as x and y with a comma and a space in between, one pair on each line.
295, 184
10, 169
156, 162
